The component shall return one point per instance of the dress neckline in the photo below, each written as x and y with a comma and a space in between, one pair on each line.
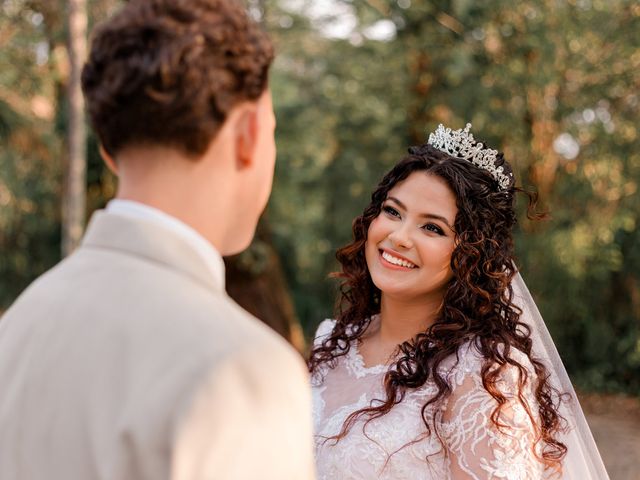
355, 360
355, 363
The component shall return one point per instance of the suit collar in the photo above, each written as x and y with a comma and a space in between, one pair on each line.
155, 242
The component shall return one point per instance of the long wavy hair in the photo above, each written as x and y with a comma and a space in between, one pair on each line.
477, 305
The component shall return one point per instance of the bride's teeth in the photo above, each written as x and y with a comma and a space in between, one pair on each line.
396, 261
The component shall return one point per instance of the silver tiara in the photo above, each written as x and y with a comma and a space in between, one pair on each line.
461, 144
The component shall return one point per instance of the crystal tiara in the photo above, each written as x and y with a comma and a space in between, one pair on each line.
461, 144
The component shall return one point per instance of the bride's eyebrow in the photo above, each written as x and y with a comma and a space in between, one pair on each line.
432, 216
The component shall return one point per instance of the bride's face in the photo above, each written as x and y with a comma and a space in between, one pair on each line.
409, 245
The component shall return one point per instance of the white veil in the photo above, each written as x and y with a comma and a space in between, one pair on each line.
583, 461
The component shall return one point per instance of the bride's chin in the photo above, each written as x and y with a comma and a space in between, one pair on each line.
394, 290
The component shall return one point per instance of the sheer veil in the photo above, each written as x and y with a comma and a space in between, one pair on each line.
583, 461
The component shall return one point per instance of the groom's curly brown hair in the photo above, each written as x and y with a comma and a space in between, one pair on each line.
167, 72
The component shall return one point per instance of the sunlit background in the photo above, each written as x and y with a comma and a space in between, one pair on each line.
552, 83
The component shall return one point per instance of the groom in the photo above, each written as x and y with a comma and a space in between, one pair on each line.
128, 360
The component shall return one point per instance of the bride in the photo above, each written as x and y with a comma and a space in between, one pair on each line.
438, 365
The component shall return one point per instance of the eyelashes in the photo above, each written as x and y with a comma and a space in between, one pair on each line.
391, 211
432, 227
429, 227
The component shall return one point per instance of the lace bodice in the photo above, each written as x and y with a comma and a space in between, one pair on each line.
397, 446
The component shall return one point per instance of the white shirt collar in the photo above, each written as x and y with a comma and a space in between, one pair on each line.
202, 246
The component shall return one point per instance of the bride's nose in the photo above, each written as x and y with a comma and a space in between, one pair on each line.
401, 236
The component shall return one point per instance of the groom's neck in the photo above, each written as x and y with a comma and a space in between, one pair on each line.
169, 181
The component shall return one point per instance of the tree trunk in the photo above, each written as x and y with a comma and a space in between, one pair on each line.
74, 196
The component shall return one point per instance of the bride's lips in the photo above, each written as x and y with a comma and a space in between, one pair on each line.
393, 266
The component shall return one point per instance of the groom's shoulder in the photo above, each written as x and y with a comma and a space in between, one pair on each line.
155, 308
171, 336
222, 328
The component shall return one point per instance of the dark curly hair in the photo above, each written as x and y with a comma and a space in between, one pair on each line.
167, 72
477, 305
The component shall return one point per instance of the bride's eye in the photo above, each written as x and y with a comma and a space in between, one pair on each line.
390, 211
432, 227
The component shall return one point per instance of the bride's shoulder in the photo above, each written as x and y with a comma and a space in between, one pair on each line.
323, 331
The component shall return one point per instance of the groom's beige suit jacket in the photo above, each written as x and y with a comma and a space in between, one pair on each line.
129, 361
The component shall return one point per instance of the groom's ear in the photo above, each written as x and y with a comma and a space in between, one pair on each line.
108, 160
247, 128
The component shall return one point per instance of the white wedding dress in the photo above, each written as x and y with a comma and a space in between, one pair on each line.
397, 446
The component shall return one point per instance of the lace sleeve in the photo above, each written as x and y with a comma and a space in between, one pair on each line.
479, 449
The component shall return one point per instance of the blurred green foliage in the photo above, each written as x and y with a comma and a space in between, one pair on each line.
553, 83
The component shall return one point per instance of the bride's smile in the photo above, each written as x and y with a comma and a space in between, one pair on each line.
395, 261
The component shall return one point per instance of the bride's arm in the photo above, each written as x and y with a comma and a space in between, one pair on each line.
478, 449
